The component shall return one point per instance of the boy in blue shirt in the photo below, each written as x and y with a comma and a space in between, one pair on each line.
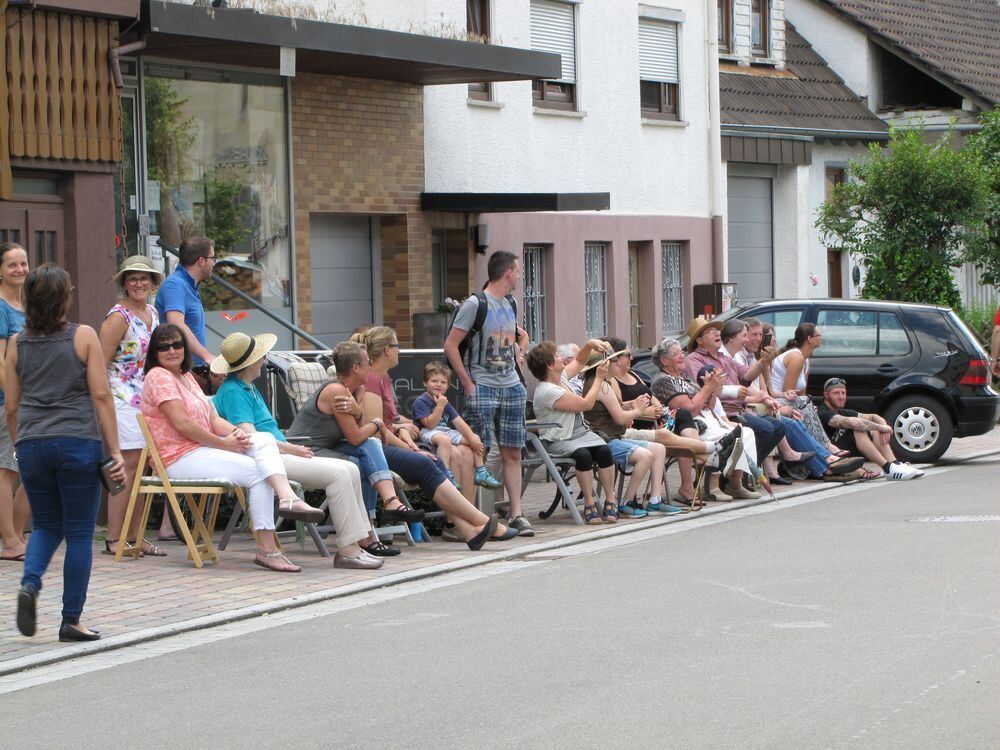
441, 427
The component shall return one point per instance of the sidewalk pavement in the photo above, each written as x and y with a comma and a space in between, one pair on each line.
153, 597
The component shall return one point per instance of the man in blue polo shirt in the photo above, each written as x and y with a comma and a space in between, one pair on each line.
178, 301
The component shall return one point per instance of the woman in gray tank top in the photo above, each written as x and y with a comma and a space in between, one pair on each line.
57, 394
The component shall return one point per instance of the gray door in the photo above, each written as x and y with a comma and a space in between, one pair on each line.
342, 293
751, 244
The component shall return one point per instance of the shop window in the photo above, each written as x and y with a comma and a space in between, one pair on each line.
217, 165
596, 289
553, 29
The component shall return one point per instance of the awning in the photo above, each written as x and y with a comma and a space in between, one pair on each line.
229, 36
492, 203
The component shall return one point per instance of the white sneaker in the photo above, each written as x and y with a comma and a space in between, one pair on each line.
900, 471
919, 472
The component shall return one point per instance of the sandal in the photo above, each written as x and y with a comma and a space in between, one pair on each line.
108, 551
401, 513
378, 549
272, 561
590, 515
151, 550
296, 509
865, 474
610, 511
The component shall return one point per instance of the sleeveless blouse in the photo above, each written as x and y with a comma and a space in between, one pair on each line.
779, 368
321, 429
125, 369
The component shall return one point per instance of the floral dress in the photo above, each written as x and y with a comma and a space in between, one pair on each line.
125, 369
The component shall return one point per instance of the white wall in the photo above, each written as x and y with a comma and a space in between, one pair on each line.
647, 168
843, 45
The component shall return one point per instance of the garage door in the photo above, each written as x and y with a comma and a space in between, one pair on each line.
342, 291
751, 249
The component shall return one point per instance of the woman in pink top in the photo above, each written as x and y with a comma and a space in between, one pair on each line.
196, 443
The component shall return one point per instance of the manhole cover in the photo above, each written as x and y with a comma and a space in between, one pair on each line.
958, 519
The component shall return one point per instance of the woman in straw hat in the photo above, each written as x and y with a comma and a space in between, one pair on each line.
194, 442
239, 402
14, 510
125, 341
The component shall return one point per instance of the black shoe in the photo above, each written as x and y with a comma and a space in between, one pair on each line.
804, 458
402, 513
69, 633
780, 481
727, 440
378, 549
27, 599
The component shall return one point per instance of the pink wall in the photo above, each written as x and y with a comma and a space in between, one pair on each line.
567, 233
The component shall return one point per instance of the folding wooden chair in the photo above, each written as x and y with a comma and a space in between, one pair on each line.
196, 492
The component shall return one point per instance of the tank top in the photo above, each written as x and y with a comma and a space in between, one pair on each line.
778, 370
321, 429
632, 392
55, 397
599, 418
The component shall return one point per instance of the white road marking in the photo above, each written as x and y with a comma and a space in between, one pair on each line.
808, 625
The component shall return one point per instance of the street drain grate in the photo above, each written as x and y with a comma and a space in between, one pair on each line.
958, 519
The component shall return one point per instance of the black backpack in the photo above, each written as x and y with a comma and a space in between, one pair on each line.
477, 327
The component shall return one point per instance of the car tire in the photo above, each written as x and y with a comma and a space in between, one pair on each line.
922, 428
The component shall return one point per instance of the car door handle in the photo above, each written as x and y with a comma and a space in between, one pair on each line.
887, 369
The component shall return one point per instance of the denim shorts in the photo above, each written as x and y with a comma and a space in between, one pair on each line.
622, 450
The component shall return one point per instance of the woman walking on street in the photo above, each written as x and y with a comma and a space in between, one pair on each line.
13, 505
125, 340
58, 407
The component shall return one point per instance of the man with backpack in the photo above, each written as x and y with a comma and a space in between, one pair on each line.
483, 348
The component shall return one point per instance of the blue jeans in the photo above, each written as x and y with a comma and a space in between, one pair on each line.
372, 465
62, 479
768, 432
800, 439
375, 461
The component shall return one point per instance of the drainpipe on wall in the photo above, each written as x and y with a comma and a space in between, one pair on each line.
714, 143
114, 58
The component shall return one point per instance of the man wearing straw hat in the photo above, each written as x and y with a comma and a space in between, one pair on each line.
239, 402
705, 341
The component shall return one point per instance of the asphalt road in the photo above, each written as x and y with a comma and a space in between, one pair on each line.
845, 622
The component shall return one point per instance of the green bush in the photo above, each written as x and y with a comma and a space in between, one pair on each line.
979, 319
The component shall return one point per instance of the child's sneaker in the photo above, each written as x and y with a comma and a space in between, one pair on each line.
485, 479
451, 478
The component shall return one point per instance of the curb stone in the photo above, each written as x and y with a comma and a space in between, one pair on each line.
165, 631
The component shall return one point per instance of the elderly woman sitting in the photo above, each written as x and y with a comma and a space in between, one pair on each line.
194, 442
239, 402
674, 390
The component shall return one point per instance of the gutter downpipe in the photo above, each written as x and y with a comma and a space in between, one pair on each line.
715, 190
114, 58
255, 304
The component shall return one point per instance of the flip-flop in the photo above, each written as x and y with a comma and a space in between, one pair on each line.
843, 478
846, 465
15, 558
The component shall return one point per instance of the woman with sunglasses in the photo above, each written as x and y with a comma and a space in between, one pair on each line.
59, 408
194, 442
125, 340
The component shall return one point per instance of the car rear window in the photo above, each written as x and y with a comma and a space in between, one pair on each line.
784, 321
853, 332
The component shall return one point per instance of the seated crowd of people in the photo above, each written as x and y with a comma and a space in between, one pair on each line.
730, 403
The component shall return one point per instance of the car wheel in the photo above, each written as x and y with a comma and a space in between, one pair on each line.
921, 428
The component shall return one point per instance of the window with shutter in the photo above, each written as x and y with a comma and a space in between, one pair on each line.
553, 29
659, 69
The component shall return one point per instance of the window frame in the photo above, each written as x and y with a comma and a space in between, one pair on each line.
534, 292
672, 292
667, 93
595, 289
764, 27
725, 25
556, 93
480, 90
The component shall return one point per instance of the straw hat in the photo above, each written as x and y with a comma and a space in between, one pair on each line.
240, 351
137, 264
697, 327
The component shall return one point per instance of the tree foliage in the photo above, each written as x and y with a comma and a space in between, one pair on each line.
909, 214
986, 146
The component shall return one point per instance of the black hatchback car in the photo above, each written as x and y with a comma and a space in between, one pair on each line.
918, 366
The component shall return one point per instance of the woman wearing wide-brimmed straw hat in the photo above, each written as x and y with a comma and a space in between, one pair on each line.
125, 341
238, 401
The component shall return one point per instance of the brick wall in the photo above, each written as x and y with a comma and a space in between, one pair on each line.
358, 148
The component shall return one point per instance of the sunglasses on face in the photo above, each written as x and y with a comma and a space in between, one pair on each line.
167, 345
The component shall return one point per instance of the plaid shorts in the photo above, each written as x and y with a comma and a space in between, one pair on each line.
502, 408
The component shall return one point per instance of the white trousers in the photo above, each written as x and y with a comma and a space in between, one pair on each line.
249, 470
341, 481
717, 431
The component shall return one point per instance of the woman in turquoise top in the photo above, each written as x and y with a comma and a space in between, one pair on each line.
14, 510
239, 402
